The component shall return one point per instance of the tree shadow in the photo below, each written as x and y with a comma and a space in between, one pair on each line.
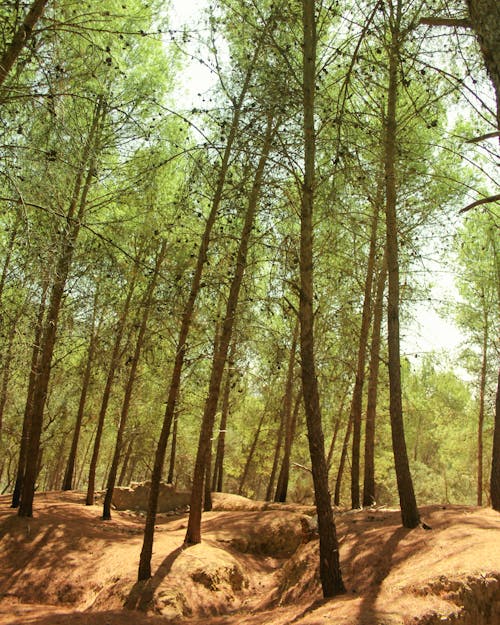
142, 592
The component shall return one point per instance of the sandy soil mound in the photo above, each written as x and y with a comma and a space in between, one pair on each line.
68, 566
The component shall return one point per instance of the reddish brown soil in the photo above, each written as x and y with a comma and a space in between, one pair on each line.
66, 565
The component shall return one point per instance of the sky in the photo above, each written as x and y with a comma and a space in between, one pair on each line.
429, 331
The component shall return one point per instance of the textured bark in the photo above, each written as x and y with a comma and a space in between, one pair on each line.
20, 38
74, 219
35, 354
485, 20
409, 510
113, 364
276, 456
146, 308
126, 460
330, 574
357, 394
70, 466
144, 571
371, 407
193, 533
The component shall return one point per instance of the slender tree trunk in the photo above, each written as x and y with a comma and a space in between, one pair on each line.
485, 19
8, 256
115, 358
193, 533
144, 571
357, 395
173, 450
330, 574
146, 308
74, 219
28, 408
480, 421
126, 460
336, 428
495, 455
342, 461
218, 475
251, 453
276, 456
4, 386
207, 495
283, 477
70, 466
287, 425
371, 408
20, 38
409, 510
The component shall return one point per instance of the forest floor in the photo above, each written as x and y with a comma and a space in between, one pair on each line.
65, 565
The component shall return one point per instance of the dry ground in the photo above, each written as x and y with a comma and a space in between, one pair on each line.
66, 565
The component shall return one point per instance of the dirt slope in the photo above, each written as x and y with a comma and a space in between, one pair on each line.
67, 566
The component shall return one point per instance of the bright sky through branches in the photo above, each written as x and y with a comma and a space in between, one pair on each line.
429, 331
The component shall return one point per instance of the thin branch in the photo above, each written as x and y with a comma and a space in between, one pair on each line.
453, 22
484, 200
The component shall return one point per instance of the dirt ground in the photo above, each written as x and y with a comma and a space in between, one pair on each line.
66, 565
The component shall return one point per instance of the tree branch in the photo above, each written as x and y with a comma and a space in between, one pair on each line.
484, 200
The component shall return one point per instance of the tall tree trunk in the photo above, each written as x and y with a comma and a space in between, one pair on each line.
495, 455
485, 19
193, 533
8, 256
284, 474
126, 460
20, 38
251, 453
330, 574
7, 359
371, 407
207, 495
113, 364
217, 479
287, 420
409, 510
28, 407
276, 456
336, 428
70, 466
146, 308
480, 421
74, 219
342, 461
173, 450
357, 394
144, 571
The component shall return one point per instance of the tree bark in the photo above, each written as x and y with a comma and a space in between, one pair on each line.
357, 394
342, 461
485, 20
70, 466
218, 476
193, 533
409, 510
20, 38
173, 450
284, 474
330, 573
371, 407
74, 219
146, 308
28, 408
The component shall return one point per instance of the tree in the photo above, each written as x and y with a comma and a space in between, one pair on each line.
409, 511
331, 577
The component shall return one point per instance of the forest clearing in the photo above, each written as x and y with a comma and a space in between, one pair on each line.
249, 266
253, 567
